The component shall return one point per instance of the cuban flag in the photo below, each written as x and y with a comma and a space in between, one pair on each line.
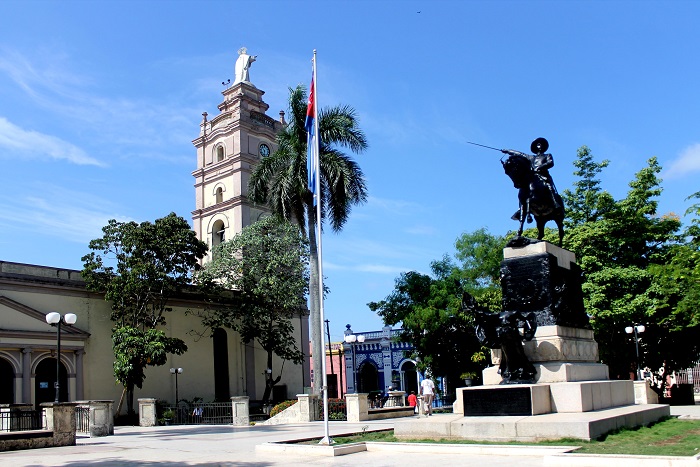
311, 138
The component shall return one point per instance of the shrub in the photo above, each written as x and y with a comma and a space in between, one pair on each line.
281, 406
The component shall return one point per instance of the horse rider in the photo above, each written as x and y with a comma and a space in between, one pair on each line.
541, 163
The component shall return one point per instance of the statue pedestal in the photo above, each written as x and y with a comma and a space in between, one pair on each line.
559, 354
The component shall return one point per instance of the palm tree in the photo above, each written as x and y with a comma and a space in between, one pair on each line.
280, 182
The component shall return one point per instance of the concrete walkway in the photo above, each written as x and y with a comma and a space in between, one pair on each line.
236, 446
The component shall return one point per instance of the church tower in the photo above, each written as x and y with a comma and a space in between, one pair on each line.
228, 148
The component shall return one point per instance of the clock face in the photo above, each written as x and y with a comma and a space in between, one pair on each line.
264, 150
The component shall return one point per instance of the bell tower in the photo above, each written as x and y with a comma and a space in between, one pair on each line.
229, 147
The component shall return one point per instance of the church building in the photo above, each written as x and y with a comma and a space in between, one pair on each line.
215, 367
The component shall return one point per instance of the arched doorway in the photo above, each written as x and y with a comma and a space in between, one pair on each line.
7, 382
44, 388
367, 378
409, 376
221, 387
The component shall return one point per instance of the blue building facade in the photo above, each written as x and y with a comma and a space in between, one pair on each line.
376, 360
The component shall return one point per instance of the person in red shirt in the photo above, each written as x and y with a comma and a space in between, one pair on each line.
412, 400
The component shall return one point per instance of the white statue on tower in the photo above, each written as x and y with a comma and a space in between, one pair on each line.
243, 65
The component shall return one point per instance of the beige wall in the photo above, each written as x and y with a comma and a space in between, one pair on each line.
25, 329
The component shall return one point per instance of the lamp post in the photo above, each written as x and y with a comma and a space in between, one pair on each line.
637, 328
176, 371
352, 338
55, 319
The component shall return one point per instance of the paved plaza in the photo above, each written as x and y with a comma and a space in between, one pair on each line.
236, 446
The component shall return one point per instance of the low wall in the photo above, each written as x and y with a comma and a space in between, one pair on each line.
359, 411
60, 424
305, 410
390, 412
33, 439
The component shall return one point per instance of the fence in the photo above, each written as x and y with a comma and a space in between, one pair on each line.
211, 413
82, 419
689, 376
22, 420
337, 409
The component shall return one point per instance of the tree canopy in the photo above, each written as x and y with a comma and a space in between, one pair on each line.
260, 282
139, 268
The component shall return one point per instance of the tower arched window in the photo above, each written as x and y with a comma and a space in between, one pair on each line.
218, 233
219, 195
219, 153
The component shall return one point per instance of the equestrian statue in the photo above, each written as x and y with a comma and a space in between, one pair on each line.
537, 194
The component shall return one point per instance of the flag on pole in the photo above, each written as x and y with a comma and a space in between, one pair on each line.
311, 136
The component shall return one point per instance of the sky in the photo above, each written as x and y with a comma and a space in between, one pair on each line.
100, 102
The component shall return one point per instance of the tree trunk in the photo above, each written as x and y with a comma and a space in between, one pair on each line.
269, 382
314, 303
130, 413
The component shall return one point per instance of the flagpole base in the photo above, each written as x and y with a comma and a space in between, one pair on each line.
326, 441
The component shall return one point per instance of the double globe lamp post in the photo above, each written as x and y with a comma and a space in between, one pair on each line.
636, 329
55, 319
352, 339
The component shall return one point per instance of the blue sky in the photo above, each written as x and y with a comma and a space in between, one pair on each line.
99, 103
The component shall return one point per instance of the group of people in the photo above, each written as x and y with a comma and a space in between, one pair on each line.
427, 390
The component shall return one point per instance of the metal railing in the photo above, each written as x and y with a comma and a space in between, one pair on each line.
211, 413
22, 420
82, 419
689, 376
337, 409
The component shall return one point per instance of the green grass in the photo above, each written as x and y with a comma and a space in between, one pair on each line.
670, 437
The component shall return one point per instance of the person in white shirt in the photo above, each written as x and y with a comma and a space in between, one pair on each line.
428, 390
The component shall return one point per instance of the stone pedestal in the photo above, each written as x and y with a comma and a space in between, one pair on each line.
240, 409
644, 394
147, 412
101, 418
308, 407
60, 418
357, 407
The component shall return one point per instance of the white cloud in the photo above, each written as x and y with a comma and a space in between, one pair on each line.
35, 145
70, 215
365, 267
125, 123
423, 230
395, 206
687, 163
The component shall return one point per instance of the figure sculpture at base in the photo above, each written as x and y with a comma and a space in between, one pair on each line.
502, 331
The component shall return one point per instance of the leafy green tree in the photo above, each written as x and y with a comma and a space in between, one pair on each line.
431, 316
260, 278
676, 289
587, 201
280, 182
618, 245
480, 254
139, 268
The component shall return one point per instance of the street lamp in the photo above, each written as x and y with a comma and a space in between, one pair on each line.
55, 319
352, 338
637, 328
176, 371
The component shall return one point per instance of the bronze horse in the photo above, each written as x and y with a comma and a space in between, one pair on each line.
534, 196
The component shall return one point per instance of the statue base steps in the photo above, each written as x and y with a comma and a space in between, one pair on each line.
556, 372
583, 426
537, 399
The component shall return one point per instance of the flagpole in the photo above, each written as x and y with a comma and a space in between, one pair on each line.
319, 245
